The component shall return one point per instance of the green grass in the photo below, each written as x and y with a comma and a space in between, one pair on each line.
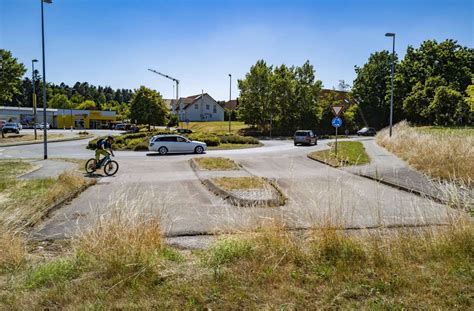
216, 164
348, 153
240, 183
233, 146
216, 127
446, 131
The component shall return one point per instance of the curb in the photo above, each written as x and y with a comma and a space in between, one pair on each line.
403, 188
63, 201
235, 200
49, 141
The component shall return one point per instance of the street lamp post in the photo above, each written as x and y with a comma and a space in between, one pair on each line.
45, 137
230, 98
34, 95
392, 69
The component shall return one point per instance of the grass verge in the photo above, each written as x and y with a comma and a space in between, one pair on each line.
124, 264
444, 153
25, 202
217, 127
240, 183
216, 164
348, 153
234, 146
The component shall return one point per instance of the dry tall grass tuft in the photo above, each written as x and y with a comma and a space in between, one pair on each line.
12, 251
28, 201
122, 243
447, 156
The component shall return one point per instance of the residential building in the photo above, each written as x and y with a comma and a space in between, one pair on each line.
201, 107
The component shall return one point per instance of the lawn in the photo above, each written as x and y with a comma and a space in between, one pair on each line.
216, 127
446, 131
348, 153
216, 164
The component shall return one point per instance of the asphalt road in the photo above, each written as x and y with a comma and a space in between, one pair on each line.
166, 187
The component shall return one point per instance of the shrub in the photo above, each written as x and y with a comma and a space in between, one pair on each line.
135, 135
209, 139
92, 144
237, 139
133, 142
141, 147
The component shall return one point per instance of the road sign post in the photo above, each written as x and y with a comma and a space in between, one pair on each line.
336, 122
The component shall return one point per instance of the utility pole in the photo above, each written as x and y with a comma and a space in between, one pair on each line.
177, 89
392, 69
45, 133
230, 99
34, 96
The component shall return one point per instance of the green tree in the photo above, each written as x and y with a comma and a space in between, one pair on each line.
470, 96
11, 72
148, 107
447, 107
60, 101
255, 95
371, 88
424, 70
87, 105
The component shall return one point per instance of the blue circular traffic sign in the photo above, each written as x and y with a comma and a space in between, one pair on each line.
336, 122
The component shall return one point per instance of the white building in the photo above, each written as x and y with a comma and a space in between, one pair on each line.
198, 108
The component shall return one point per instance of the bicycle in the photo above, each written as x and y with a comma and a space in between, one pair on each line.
110, 166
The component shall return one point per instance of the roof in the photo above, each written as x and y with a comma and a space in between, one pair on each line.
188, 101
231, 104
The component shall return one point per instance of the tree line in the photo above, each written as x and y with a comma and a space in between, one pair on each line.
433, 84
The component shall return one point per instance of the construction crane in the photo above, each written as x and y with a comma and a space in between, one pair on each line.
168, 77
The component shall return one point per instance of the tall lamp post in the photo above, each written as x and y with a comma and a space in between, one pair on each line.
45, 133
230, 98
34, 95
392, 69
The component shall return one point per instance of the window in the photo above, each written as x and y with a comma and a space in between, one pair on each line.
169, 138
215, 109
207, 107
181, 139
196, 106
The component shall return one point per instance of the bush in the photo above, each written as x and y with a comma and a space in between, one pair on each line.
92, 144
209, 139
135, 135
141, 147
237, 139
133, 142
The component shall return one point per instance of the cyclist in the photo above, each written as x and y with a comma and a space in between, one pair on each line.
104, 147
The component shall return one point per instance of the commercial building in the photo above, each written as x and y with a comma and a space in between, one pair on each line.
60, 118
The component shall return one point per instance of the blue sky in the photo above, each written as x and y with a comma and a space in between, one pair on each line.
113, 42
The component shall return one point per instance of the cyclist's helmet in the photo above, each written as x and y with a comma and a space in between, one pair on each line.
111, 138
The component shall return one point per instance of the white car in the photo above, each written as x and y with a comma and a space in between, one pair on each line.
175, 144
41, 125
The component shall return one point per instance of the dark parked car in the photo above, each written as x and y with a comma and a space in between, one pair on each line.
367, 131
184, 131
305, 137
11, 128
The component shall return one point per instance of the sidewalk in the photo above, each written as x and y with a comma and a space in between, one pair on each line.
48, 169
389, 169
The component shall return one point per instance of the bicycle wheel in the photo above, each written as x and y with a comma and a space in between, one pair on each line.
91, 166
111, 168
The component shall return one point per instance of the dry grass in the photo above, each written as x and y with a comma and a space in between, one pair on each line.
240, 183
448, 156
124, 265
216, 164
12, 251
28, 201
14, 138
